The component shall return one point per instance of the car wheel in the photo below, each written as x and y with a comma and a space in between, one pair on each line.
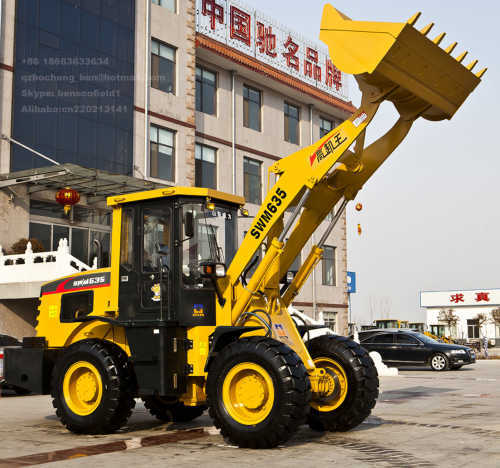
439, 362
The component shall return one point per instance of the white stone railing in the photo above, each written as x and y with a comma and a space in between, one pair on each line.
40, 267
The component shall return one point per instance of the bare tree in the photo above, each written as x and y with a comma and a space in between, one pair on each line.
449, 317
495, 316
482, 319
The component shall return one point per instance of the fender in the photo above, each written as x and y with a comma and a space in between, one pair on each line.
222, 336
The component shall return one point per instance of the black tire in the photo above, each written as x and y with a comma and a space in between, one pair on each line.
167, 411
362, 383
118, 388
439, 362
291, 388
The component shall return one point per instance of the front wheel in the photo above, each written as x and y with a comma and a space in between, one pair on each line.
258, 392
439, 362
349, 386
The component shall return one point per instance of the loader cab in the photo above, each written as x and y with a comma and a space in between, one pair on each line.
164, 244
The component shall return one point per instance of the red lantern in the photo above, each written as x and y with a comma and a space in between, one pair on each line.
67, 197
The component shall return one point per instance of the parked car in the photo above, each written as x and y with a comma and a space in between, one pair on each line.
8, 341
410, 348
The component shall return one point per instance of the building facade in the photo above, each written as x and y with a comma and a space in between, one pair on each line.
163, 92
466, 315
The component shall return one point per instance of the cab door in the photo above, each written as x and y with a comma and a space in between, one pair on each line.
146, 263
156, 261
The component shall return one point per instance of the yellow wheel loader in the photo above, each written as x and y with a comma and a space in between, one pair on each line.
179, 321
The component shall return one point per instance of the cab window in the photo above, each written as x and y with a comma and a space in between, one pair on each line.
127, 239
156, 239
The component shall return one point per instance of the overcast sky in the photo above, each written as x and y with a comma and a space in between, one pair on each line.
431, 217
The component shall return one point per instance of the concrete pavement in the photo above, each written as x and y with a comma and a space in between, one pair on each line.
422, 418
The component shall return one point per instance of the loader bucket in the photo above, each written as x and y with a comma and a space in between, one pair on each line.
398, 57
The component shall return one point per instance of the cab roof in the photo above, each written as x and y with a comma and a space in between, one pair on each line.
214, 195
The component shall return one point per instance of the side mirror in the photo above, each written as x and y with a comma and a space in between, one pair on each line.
189, 224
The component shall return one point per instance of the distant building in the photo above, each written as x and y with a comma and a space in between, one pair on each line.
465, 307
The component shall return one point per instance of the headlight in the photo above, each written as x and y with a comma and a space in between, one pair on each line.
220, 270
457, 351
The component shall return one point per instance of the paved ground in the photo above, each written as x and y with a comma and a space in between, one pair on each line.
422, 419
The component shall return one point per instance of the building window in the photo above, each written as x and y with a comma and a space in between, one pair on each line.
252, 181
162, 153
329, 276
473, 328
325, 127
251, 108
168, 4
162, 67
80, 240
330, 319
98, 36
206, 87
205, 166
291, 123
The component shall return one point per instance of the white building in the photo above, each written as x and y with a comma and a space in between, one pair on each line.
465, 305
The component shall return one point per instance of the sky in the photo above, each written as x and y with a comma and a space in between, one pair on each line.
430, 215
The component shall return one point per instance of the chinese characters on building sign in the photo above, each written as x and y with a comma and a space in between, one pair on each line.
250, 32
482, 296
479, 297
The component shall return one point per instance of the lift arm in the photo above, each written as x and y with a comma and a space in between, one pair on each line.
390, 61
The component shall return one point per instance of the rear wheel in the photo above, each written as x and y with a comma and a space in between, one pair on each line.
168, 410
349, 386
439, 362
258, 392
92, 388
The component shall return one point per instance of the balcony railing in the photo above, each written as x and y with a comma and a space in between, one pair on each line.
30, 270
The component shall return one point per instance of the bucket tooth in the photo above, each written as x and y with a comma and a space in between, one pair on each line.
426, 30
482, 72
461, 57
414, 18
437, 40
451, 48
471, 65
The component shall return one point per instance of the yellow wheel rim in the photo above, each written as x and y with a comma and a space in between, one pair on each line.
82, 388
333, 383
248, 393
